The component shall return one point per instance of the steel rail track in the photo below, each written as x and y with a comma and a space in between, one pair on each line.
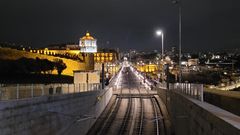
141, 115
158, 115
155, 113
130, 113
127, 115
111, 116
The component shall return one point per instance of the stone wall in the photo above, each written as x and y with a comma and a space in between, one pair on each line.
192, 117
51, 115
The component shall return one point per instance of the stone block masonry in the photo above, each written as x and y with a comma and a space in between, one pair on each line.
53, 115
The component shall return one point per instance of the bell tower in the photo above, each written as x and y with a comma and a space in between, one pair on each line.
88, 46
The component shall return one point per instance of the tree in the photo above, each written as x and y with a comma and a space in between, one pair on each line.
60, 66
46, 66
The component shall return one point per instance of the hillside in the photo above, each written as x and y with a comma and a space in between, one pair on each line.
12, 54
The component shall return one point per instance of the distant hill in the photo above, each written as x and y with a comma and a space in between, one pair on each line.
13, 54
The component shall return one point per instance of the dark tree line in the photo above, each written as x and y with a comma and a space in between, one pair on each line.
205, 77
31, 66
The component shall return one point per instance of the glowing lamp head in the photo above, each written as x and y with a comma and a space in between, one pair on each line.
158, 32
87, 34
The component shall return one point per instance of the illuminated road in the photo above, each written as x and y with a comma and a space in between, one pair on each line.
135, 109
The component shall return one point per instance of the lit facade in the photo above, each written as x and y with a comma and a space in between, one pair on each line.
147, 68
105, 57
88, 44
85, 51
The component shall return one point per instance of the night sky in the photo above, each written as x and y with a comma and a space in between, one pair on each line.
127, 24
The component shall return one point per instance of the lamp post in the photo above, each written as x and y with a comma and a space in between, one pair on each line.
179, 3
160, 33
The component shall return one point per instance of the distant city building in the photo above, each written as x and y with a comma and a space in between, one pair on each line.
72, 47
86, 50
193, 62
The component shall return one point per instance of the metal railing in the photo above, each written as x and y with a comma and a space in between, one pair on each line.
21, 91
190, 89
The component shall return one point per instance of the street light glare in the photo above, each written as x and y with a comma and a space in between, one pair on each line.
158, 32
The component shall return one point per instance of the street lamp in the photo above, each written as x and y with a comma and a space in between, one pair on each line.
160, 33
179, 3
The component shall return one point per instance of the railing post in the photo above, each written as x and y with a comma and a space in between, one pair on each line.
42, 89
186, 90
195, 93
201, 94
73, 88
54, 89
192, 89
17, 91
61, 90
189, 90
1, 91
181, 86
186, 85
32, 90
81, 87
68, 88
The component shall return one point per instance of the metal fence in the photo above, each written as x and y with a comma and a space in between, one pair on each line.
21, 91
190, 89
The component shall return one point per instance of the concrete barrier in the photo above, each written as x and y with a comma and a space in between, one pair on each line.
192, 117
53, 115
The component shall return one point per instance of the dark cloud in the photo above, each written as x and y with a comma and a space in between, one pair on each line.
207, 24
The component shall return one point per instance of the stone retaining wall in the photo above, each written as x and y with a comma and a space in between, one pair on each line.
50, 115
